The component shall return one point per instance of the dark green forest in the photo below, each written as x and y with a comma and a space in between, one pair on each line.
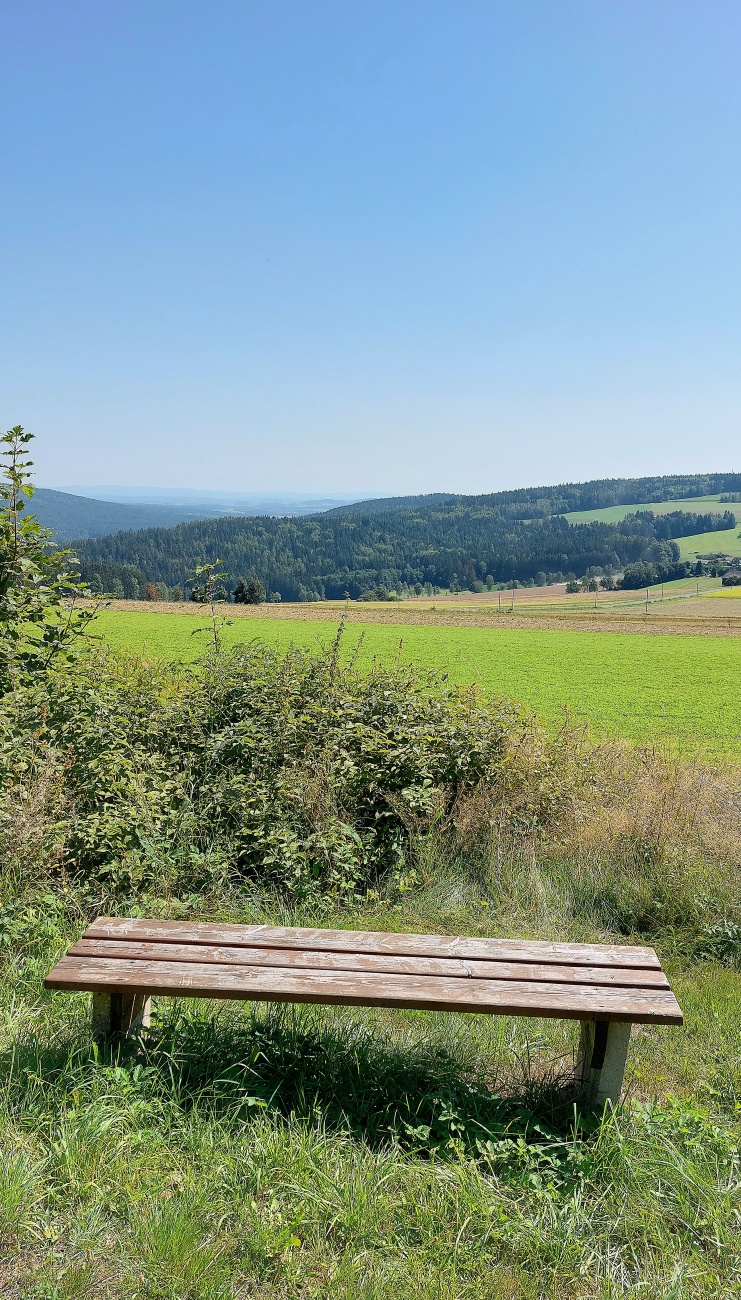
463, 542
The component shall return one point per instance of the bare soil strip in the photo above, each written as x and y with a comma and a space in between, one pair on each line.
701, 617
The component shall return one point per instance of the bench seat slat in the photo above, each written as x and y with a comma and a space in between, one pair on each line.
297, 959
433, 993
410, 945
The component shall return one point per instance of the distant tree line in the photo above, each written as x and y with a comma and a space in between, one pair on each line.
645, 573
539, 502
447, 546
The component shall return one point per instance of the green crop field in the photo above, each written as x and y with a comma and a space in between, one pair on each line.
681, 689
613, 514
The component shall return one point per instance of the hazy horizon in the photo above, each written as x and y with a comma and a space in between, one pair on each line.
147, 492
131, 494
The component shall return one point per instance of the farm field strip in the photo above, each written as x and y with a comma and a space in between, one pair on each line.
677, 689
700, 616
556, 595
545, 599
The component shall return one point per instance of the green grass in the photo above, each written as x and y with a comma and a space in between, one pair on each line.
726, 542
682, 689
339, 1154
613, 514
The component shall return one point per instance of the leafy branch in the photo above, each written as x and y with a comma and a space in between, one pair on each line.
209, 590
40, 616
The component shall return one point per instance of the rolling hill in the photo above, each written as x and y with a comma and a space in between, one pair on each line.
461, 542
71, 517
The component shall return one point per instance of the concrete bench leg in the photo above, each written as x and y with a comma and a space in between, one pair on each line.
603, 1052
116, 1014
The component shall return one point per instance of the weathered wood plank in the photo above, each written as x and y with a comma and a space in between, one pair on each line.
372, 962
501, 997
411, 945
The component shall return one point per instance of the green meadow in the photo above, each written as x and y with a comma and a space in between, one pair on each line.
726, 542
613, 514
677, 689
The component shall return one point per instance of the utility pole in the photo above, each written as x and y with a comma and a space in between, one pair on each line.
500, 600
647, 599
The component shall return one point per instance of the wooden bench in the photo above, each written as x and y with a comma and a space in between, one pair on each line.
123, 962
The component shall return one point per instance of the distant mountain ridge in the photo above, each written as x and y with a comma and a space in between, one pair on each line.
71, 517
385, 505
562, 498
212, 503
74, 517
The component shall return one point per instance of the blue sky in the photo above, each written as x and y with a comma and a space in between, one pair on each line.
370, 245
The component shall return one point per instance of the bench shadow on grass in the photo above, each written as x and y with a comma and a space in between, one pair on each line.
344, 1075
352, 1078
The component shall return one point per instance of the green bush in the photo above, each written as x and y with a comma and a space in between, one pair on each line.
292, 770
302, 775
